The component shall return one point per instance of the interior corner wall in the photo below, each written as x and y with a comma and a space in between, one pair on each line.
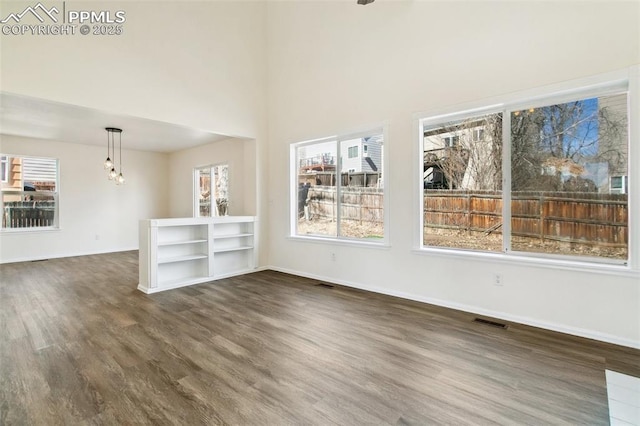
336, 67
95, 214
228, 151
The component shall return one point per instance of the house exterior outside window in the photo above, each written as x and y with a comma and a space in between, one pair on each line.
29, 193
554, 185
211, 190
337, 190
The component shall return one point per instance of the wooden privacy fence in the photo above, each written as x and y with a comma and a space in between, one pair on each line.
586, 218
28, 214
357, 204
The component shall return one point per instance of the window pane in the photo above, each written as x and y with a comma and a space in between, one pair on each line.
27, 209
203, 179
564, 198
221, 189
317, 206
462, 180
29, 192
361, 192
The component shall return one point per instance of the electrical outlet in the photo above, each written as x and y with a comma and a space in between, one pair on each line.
97, 237
333, 257
498, 280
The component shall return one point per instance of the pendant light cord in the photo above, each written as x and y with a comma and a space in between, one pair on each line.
120, 152
113, 149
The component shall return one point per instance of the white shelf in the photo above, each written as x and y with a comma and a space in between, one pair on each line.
222, 237
186, 251
182, 258
184, 281
177, 243
222, 250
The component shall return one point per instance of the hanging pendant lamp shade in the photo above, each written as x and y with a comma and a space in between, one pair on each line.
109, 164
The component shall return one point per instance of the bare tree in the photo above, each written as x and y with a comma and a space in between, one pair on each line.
553, 148
474, 161
563, 138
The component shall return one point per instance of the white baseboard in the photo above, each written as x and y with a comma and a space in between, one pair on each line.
149, 290
574, 331
60, 256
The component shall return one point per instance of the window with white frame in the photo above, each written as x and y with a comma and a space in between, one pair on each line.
211, 190
618, 185
331, 198
29, 192
4, 168
545, 178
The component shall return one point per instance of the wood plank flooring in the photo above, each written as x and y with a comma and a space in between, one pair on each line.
80, 345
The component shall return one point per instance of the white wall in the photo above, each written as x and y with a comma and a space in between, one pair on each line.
335, 67
197, 64
200, 64
96, 216
241, 172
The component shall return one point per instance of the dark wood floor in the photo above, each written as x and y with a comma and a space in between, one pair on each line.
80, 345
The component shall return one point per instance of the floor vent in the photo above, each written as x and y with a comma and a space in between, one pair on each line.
491, 323
324, 285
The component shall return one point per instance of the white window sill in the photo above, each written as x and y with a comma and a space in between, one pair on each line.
524, 260
340, 241
22, 231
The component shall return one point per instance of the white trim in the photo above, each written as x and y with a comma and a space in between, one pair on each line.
361, 243
213, 205
31, 230
294, 161
627, 81
633, 199
521, 260
196, 281
574, 331
61, 256
418, 188
565, 88
506, 182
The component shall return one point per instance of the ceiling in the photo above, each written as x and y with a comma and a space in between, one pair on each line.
42, 119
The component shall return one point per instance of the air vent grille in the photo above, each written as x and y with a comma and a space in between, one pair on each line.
491, 323
323, 285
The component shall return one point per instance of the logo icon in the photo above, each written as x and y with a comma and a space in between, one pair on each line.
34, 11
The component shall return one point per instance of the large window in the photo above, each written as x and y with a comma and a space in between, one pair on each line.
29, 192
462, 183
337, 194
545, 178
211, 191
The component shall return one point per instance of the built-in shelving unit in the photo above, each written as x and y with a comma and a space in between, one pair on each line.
186, 251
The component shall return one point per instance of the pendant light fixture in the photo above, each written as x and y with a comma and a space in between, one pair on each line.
120, 178
109, 164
